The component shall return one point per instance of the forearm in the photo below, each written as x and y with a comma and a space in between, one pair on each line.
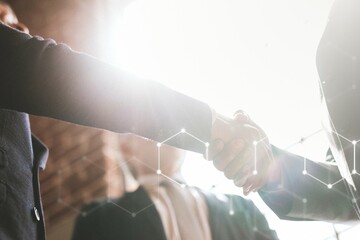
299, 197
49, 79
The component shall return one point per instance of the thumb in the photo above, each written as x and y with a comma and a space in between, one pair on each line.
241, 116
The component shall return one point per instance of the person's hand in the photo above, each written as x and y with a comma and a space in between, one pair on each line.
241, 150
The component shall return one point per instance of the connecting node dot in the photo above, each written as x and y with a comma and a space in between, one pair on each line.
353, 171
329, 186
255, 172
133, 215
304, 200
59, 200
255, 143
231, 212
207, 144
304, 172
255, 229
158, 144
84, 214
183, 130
354, 142
158, 172
353, 200
183, 185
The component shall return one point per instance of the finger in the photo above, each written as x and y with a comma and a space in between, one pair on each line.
249, 127
239, 111
241, 177
241, 116
252, 182
247, 185
256, 189
247, 180
215, 147
231, 150
239, 164
258, 178
247, 190
240, 182
250, 187
249, 133
256, 186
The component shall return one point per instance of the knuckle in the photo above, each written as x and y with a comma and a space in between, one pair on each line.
238, 184
219, 165
236, 147
229, 173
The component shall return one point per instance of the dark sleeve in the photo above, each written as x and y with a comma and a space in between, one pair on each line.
338, 65
307, 197
299, 196
44, 78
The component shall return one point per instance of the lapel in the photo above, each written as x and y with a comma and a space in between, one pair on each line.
40, 152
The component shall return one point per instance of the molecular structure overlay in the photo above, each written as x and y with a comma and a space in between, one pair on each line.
231, 211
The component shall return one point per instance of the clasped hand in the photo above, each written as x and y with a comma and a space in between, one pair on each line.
241, 150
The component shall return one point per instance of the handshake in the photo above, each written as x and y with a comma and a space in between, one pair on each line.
241, 150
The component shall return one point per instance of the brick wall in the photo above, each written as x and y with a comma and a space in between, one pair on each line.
82, 166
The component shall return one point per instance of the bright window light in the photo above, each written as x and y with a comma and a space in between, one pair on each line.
258, 56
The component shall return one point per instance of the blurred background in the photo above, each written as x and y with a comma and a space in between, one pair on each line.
233, 54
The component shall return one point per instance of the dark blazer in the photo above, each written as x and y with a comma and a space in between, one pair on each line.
44, 78
338, 63
21, 156
110, 220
